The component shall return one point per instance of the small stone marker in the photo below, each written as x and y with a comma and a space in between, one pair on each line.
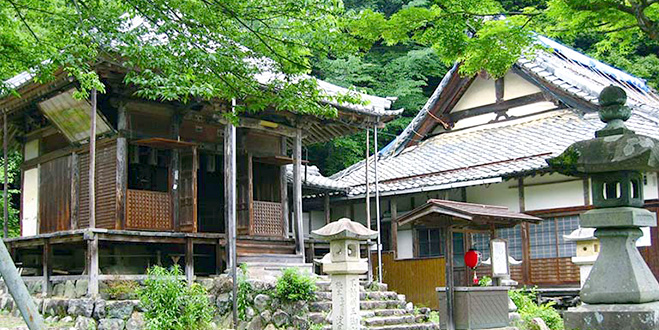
344, 269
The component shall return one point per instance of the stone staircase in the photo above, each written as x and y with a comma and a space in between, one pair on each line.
270, 266
380, 308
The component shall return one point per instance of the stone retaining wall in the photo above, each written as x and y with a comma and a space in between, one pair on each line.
72, 310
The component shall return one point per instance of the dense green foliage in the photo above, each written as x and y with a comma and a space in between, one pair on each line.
13, 193
528, 310
295, 286
171, 304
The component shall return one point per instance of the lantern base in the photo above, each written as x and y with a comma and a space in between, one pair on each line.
608, 317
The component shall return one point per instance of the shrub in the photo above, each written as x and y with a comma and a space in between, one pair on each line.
169, 303
244, 292
122, 290
293, 286
528, 310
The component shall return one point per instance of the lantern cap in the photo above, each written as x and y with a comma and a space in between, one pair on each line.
614, 148
344, 228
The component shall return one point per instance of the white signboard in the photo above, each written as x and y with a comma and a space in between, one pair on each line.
499, 253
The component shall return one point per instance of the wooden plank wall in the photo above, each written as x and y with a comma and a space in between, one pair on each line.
651, 253
106, 167
415, 278
55, 195
554, 271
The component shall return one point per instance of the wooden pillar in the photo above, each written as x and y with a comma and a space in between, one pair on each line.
526, 239
6, 183
326, 207
175, 164
189, 260
122, 169
75, 184
297, 193
283, 188
92, 265
92, 167
219, 257
448, 259
46, 287
393, 206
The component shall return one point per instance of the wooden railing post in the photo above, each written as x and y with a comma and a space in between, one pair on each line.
297, 193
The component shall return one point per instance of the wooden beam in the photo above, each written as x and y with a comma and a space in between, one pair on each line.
92, 266
297, 193
497, 107
219, 257
46, 287
261, 125
326, 207
189, 261
121, 183
92, 171
283, 187
499, 89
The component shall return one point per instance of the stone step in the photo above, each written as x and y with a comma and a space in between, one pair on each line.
320, 306
324, 286
288, 259
321, 317
412, 326
389, 320
364, 295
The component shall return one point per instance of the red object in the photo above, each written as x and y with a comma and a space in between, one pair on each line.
475, 279
472, 258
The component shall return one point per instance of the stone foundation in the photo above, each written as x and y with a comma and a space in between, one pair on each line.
610, 317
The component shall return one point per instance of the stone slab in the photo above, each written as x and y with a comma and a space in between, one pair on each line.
618, 217
613, 317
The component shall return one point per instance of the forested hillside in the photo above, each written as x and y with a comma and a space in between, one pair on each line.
412, 69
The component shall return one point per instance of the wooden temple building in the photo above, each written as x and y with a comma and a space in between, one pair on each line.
159, 180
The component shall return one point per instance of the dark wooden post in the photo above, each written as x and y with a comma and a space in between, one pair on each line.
326, 207
175, 164
189, 260
6, 161
297, 193
122, 168
75, 184
526, 238
283, 189
394, 225
448, 259
92, 244
218, 257
46, 287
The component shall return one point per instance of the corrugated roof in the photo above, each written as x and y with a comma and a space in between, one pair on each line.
511, 147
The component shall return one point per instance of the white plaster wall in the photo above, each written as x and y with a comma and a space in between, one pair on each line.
552, 193
31, 149
515, 86
405, 245
317, 219
476, 120
530, 109
495, 194
306, 219
481, 92
30, 196
650, 188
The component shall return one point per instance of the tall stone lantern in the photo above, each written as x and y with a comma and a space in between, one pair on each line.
621, 292
345, 267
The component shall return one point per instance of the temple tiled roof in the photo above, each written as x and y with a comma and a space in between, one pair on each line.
313, 179
497, 151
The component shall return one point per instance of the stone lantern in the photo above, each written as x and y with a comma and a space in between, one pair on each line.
621, 292
345, 267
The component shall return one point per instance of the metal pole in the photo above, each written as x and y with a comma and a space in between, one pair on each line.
230, 205
377, 201
6, 162
368, 205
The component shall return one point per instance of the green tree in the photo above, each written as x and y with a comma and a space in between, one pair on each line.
179, 49
13, 179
